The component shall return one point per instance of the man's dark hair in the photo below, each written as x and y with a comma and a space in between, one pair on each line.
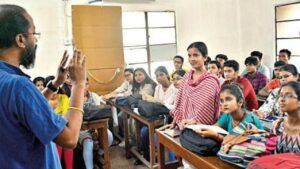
257, 54
221, 56
12, 23
279, 63
288, 52
233, 64
216, 63
251, 60
39, 78
130, 70
179, 57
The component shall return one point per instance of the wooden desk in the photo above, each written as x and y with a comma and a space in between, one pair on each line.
151, 128
101, 126
209, 162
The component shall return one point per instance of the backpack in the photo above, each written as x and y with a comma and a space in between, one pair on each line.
192, 141
97, 112
152, 110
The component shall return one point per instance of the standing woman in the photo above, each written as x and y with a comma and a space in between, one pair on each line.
198, 98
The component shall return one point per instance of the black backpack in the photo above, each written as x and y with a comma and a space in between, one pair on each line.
152, 110
97, 112
192, 141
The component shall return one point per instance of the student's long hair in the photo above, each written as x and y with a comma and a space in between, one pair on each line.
137, 86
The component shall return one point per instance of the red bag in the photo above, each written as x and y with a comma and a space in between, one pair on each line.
279, 161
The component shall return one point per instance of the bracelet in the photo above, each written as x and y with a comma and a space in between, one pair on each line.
76, 108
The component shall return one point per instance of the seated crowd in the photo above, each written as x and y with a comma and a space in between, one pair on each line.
212, 93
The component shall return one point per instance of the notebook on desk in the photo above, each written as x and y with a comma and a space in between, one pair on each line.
172, 132
202, 126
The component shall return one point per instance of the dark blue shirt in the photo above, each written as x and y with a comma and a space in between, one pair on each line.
27, 123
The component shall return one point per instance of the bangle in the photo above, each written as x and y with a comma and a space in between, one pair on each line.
76, 108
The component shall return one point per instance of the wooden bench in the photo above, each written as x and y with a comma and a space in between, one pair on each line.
101, 126
209, 162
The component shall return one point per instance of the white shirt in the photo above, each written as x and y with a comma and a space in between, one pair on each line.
168, 97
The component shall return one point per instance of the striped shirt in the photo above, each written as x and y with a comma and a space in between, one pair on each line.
198, 99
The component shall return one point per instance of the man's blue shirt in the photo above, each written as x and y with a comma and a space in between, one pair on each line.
27, 123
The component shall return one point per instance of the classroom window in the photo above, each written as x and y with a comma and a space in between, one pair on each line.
287, 24
149, 39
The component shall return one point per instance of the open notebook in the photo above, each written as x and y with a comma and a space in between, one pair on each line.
202, 126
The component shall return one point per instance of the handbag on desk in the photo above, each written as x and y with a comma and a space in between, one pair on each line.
243, 145
192, 141
97, 112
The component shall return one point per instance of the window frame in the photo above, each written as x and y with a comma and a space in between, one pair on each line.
148, 45
276, 29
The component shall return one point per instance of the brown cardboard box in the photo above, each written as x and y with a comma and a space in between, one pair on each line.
97, 31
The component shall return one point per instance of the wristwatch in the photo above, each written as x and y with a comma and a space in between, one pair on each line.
52, 87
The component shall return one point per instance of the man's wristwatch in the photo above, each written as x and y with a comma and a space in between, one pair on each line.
52, 87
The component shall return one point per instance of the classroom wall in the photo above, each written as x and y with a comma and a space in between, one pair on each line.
215, 22
257, 21
233, 27
49, 19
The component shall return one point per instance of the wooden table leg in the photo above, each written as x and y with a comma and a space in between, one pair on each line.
126, 135
138, 135
103, 138
161, 155
152, 145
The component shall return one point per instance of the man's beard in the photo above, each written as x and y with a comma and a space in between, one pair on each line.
28, 57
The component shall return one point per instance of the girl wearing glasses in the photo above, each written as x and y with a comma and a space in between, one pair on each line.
270, 108
287, 129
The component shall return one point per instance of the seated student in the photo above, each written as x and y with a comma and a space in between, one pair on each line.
257, 79
142, 84
260, 67
231, 71
125, 88
233, 108
274, 83
287, 74
85, 137
195, 103
60, 103
221, 58
214, 67
285, 55
165, 93
178, 62
288, 128
177, 77
39, 82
